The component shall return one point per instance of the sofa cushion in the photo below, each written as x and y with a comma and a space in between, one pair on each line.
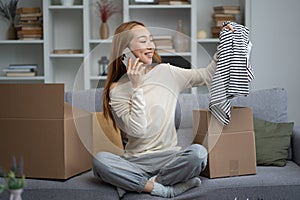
268, 104
88, 100
272, 142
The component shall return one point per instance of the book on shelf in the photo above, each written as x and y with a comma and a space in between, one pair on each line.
7, 70
30, 38
29, 27
19, 70
179, 2
24, 15
163, 2
23, 66
162, 37
28, 10
29, 23
30, 32
223, 17
163, 42
227, 10
215, 31
20, 74
174, 2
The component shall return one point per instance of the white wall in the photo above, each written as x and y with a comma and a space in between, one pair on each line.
275, 28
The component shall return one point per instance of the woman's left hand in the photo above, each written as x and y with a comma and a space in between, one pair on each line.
135, 72
230, 27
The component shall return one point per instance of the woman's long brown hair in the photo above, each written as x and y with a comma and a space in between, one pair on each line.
117, 69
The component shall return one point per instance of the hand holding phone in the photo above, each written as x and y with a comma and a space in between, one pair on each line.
126, 55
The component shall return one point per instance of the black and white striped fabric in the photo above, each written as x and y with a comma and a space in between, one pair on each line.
233, 71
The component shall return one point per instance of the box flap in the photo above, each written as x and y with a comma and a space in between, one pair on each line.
74, 112
37, 101
241, 120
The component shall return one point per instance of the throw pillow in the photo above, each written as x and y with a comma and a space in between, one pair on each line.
272, 142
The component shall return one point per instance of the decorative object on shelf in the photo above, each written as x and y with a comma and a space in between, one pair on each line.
106, 9
103, 66
8, 11
180, 39
201, 34
104, 30
67, 2
14, 180
67, 51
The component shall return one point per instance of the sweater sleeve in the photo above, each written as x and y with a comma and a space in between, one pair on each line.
196, 77
131, 113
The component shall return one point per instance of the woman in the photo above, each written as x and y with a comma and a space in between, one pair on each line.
141, 101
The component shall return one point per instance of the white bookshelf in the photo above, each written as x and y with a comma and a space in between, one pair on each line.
77, 27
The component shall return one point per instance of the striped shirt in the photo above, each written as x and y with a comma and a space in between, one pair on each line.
233, 72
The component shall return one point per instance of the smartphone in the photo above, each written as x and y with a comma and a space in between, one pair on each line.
126, 55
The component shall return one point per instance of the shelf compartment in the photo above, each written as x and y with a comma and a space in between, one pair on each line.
160, 24
67, 30
22, 53
68, 71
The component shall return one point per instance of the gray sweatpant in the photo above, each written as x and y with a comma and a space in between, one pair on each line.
131, 174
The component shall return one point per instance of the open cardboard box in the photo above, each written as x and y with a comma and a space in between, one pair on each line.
231, 148
52, 136
105, 137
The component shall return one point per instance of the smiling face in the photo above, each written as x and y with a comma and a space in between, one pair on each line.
142, 44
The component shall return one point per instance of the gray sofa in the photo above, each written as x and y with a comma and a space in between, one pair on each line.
268, 183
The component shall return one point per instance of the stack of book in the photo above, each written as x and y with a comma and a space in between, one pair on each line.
30, 23
222, 14
173, 2
18, 70
164, 43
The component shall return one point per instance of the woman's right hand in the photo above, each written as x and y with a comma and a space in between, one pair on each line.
135, 72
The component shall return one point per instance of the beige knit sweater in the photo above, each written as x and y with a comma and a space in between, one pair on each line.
146, 114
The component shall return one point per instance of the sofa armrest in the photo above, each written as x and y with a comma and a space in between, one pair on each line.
296, 144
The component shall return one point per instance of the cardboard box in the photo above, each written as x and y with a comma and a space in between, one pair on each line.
231, 148
52, 136
105, 137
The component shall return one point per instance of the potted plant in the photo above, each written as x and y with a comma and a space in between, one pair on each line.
106, 9
14, 180
8, 11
